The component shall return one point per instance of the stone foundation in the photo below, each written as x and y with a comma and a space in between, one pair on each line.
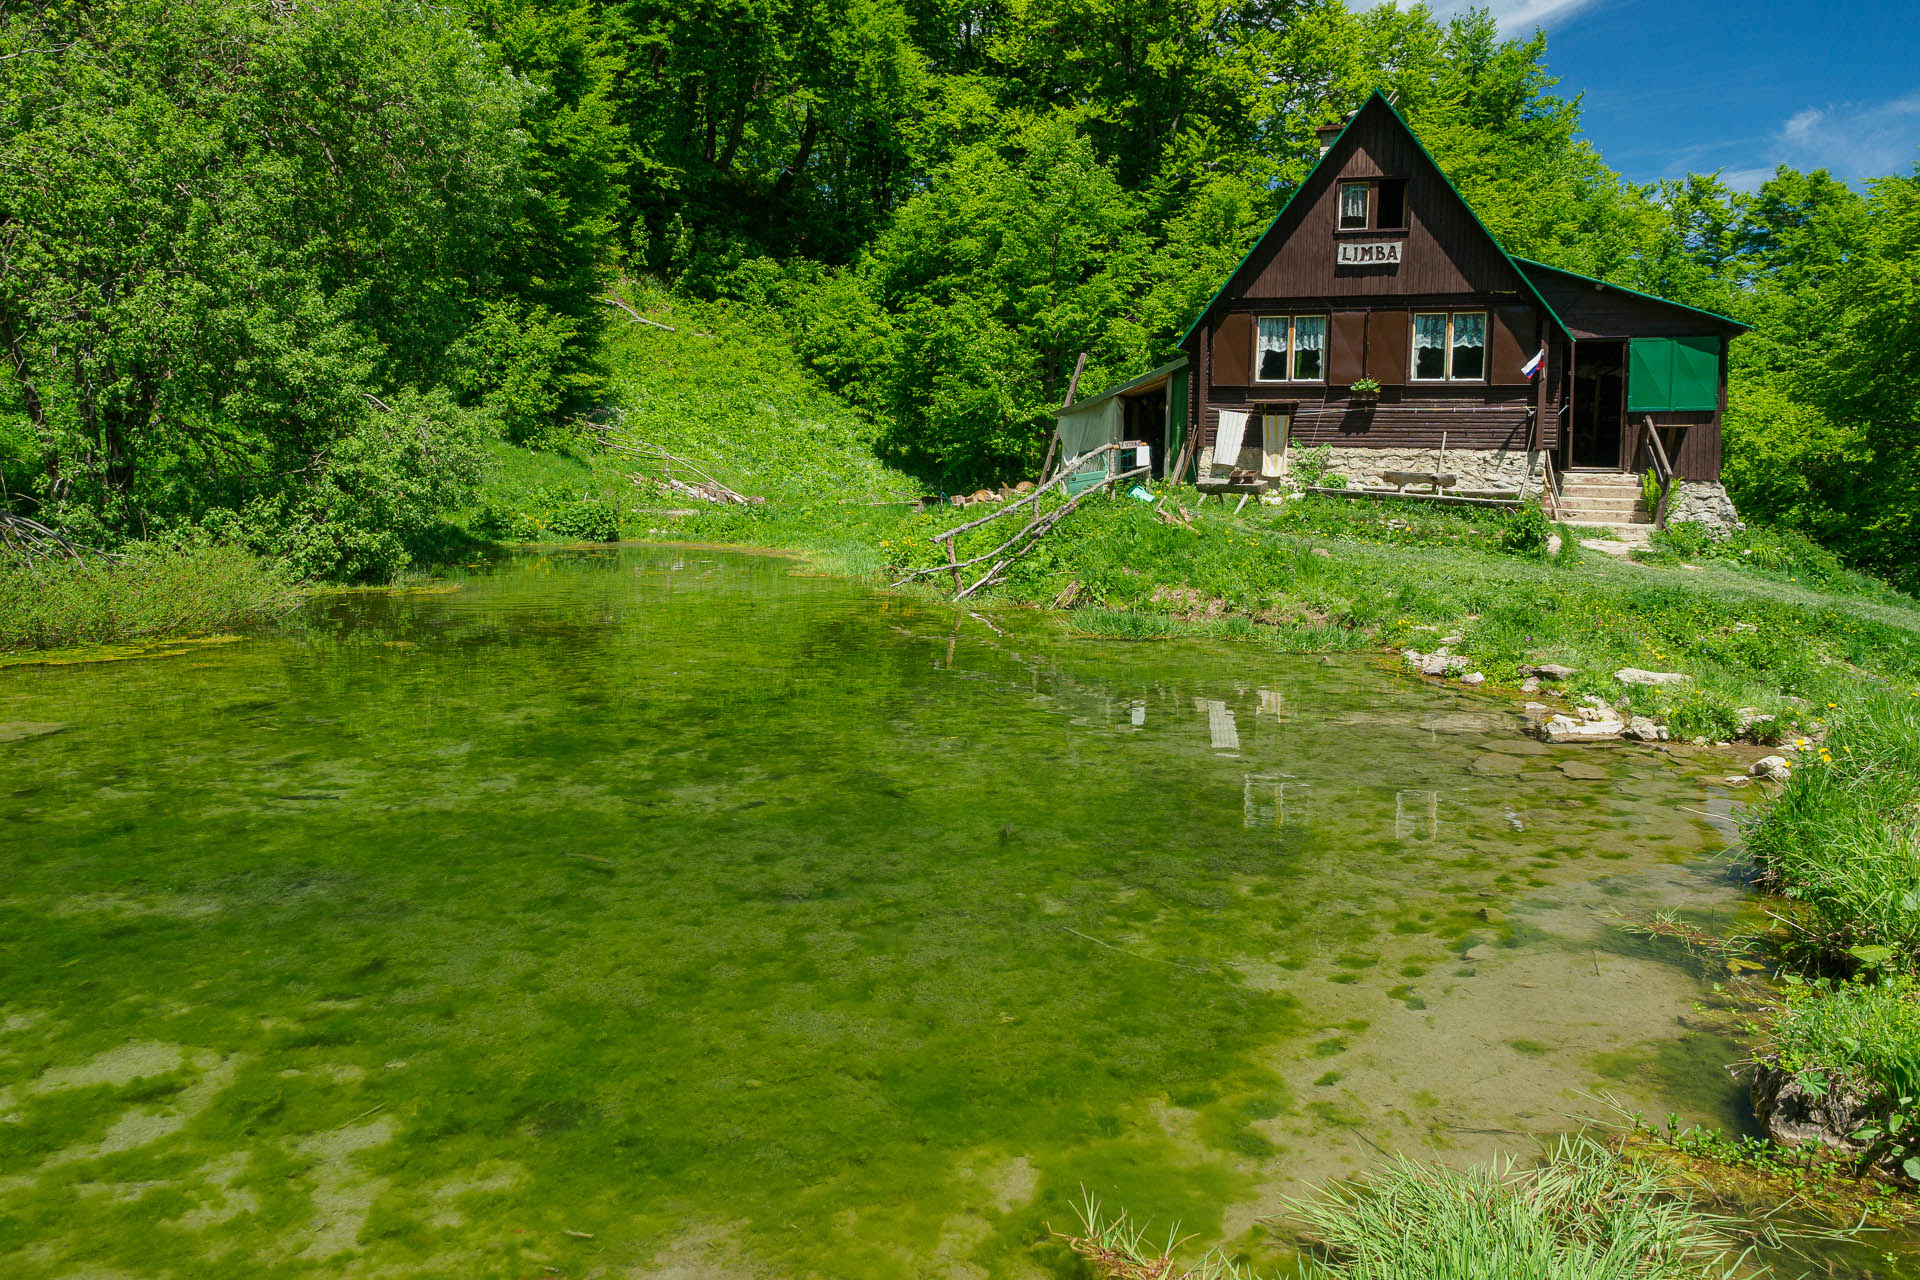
1367, 468
1703, 502
1475, 468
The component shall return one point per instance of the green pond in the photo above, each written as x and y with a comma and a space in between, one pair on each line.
671, 911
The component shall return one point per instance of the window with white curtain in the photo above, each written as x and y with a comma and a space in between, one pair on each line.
1449, 346
1291, 349
1353, 206
1270, 361
1467, 355
1309, 348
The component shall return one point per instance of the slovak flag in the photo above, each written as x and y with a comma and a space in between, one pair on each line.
1534, 365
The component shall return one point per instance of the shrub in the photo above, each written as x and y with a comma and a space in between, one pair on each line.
383, 489
523, 365
1310, 465
552, 513
1861, 1041
1525, 531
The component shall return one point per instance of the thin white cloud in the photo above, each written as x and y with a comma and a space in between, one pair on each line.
1853, 140
1515, 17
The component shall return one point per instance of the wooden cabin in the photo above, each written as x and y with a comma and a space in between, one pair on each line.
1488, 367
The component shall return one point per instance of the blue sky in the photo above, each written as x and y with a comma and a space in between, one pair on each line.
1678, 85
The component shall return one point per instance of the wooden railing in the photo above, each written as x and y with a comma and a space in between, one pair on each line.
1029, 535
1548, 489
1662, 471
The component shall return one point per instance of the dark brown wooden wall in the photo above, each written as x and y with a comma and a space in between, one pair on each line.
1444, 251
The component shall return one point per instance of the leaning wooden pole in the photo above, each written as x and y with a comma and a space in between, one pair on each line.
1073, 385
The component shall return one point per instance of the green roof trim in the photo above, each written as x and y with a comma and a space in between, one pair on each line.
1428, 157
1650, 297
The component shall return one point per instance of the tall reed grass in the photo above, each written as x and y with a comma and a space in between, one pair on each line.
153, 591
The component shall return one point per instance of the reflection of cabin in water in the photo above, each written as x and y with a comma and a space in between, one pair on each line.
1489, 367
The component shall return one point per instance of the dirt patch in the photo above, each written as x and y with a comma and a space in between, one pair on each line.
342, 1193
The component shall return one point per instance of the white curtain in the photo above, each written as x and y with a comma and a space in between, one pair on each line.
1226, 440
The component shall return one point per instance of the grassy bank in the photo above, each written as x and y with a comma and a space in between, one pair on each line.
1841, 843
149, 592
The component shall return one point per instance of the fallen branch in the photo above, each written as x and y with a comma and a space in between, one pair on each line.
637, 318
1040, 527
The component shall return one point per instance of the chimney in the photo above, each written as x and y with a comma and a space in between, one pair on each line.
1328, 132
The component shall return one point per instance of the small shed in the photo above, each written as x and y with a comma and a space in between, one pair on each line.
1152, 408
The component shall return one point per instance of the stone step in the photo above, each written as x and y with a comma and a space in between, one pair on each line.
1605, 508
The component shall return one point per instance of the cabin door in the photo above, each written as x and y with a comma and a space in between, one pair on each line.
1273, 444
1597, 428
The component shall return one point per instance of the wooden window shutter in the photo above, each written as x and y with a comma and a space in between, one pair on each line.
1387, 347
1233, 352
1513, 345
1346, 360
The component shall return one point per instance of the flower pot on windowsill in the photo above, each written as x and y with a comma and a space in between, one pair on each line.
1363, 399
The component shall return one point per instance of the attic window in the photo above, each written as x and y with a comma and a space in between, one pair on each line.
1353, 206
1390, 204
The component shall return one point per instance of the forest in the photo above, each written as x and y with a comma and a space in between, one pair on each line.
276, 275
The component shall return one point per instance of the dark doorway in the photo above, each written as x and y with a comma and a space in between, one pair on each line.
1599, 405
1146, 419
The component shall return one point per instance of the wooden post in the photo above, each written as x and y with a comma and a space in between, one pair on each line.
1073, 385
953, 562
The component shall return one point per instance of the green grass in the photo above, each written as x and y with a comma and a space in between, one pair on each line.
1842, 839
151, 592
1584, 1213
1862, 1038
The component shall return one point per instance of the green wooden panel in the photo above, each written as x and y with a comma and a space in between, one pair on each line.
1176, 418
1081, 481
1649, 375
1696, 375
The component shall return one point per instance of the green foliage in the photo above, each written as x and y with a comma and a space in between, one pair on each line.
1309, 465
552, 513
1860, 1040
1583, 1212
387, 487
153, 590
514, 362
237, 233
1843, 837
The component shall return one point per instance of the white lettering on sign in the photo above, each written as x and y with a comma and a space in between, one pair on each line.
1369, 255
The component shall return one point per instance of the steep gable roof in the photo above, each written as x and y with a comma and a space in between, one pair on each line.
1376, 101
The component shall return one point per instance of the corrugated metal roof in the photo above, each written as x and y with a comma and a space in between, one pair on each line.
1164, 371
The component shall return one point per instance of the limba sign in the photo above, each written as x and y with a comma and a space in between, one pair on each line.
1377, 253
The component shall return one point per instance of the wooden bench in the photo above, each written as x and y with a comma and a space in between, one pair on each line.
1439, 480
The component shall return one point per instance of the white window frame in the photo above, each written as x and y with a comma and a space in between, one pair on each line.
1413, 346
1292, 354
1366, 211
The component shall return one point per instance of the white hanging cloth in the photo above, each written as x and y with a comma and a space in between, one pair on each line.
1226, 440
